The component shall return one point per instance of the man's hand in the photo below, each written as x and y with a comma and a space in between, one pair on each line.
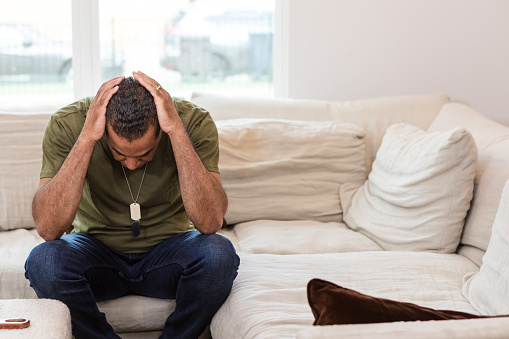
95, 124
166, 112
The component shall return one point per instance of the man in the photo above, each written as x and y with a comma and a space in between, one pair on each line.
132, 178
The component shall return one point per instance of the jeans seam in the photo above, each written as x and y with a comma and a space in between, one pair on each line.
164, 265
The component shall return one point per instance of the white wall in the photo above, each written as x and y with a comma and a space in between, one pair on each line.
355, 49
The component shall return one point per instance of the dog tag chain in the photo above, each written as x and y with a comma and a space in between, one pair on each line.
135, 207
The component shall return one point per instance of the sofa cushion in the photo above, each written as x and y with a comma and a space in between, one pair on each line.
144, 313
268, 299
300, 236
15, 246
419, 190
373, 115
488, 289
332, 304
287, 170
20, 164
492, 172
485, 328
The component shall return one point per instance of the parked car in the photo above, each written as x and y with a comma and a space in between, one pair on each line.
26, 55
206, 42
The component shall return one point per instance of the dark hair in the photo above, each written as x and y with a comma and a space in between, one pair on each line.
131, 110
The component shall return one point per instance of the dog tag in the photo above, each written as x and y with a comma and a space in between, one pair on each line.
135, 211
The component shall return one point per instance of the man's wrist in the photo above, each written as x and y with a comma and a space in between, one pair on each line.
86, 140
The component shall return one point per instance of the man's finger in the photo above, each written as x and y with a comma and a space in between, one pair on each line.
108, 85
150, 84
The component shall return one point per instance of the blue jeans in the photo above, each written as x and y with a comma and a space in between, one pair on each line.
195, 269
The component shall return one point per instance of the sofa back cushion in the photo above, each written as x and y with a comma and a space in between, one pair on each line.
20, 164
287, 170
488, 289
372, 115
492, 172
419, 191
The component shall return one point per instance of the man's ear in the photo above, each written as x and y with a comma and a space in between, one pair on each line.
107, 128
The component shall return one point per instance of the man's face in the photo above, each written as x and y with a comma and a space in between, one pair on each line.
137, 153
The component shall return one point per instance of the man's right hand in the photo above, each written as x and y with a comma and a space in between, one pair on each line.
95, 124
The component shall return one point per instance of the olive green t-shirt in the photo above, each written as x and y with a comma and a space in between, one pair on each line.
104, 211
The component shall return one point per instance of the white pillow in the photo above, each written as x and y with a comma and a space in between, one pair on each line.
287, 170
488, 290
419, 191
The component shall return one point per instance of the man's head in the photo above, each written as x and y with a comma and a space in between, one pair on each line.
132, 126
131, 110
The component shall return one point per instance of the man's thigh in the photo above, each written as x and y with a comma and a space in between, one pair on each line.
190, 254
77, 256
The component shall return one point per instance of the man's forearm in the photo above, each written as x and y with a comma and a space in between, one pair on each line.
204, 198
55, 203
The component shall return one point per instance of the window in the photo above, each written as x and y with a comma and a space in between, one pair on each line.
35, 55
63, 50
214, 45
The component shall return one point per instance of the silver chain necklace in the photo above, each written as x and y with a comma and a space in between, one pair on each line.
135, 207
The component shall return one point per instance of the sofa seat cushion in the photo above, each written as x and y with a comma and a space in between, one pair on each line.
300, 237
485, 328
269, 300
144, 313
15, 246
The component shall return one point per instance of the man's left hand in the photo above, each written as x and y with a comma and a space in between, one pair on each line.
166, 112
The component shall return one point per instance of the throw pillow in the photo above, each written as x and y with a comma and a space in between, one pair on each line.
335, 305
288, 170
488, 289
419, 191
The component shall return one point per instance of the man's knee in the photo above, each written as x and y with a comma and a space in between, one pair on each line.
42, 264
220, 256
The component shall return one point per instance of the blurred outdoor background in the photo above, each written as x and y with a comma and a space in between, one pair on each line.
203, 45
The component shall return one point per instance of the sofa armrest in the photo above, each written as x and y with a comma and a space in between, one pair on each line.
486, 328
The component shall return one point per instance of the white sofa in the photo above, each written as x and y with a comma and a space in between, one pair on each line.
309, 200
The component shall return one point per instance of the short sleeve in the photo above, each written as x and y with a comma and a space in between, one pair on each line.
202, 131
61, 133
56, 145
